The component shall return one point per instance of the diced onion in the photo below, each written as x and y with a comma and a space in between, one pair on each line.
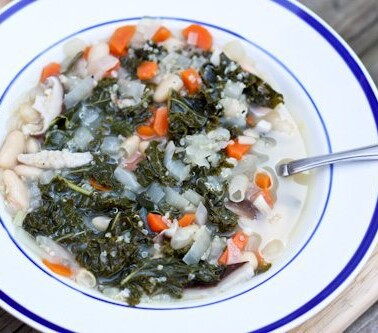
183, 236
156, 193
128, 179
201, 244
80, 92
201, 214
82, 138
177, 169
110, 145
175, 199
131, 89
193, 197
217, 247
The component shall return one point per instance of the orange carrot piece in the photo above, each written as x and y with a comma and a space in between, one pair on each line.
86, 52
120, 39
268, 197
98, 186
52, 69
250, 121
263, 180
147, 70
237, 150
160, 123
192, 80
161, 35
58, 268
187, 219
204, 37
156, 222
240, 239
146, 131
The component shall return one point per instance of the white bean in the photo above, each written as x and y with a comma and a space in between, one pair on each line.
28, 114
237, 188
32, 146
28, 171
130, 145
234, 50
171, 81
143, 146
101, 222
13, 146
16, 192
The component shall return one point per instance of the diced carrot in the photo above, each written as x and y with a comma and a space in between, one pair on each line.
147, 70
51, 69
86, 52
204, 40
187, 219
250, 120
156, 222
161, 35
240, 239
237, 150
120, 39
98, 186
192, 80
160, 124
268, 197
263, 180
58, 268
146, 131
223, 258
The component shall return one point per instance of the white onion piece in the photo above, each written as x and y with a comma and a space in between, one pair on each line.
82, 138
193, 197
246, 140
172, 44
73, 47
101, 223
175, 199
55, 251
89, 115
81, 91
254, 242
262, 205
215, 56
217, 247
99, 67
19, 218
128, 179
183, 236
234, 50
273, 249
241, 275
98, 51
85, 278
233, 89
177, 169
131, 89
201, 214
110, 145
237, 188
156, 193
201, 244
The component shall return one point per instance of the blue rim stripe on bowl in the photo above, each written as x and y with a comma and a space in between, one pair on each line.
361, 78
254, 45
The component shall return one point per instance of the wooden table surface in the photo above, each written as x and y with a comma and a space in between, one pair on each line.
357, 22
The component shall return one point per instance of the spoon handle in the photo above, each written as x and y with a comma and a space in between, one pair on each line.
359, 154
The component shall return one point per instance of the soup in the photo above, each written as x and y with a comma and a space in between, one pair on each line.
143, 165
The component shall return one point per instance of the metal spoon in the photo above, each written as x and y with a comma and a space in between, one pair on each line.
368, 153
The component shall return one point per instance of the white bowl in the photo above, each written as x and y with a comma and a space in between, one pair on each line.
332, 98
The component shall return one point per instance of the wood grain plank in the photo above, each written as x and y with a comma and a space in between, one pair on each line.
355, 20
